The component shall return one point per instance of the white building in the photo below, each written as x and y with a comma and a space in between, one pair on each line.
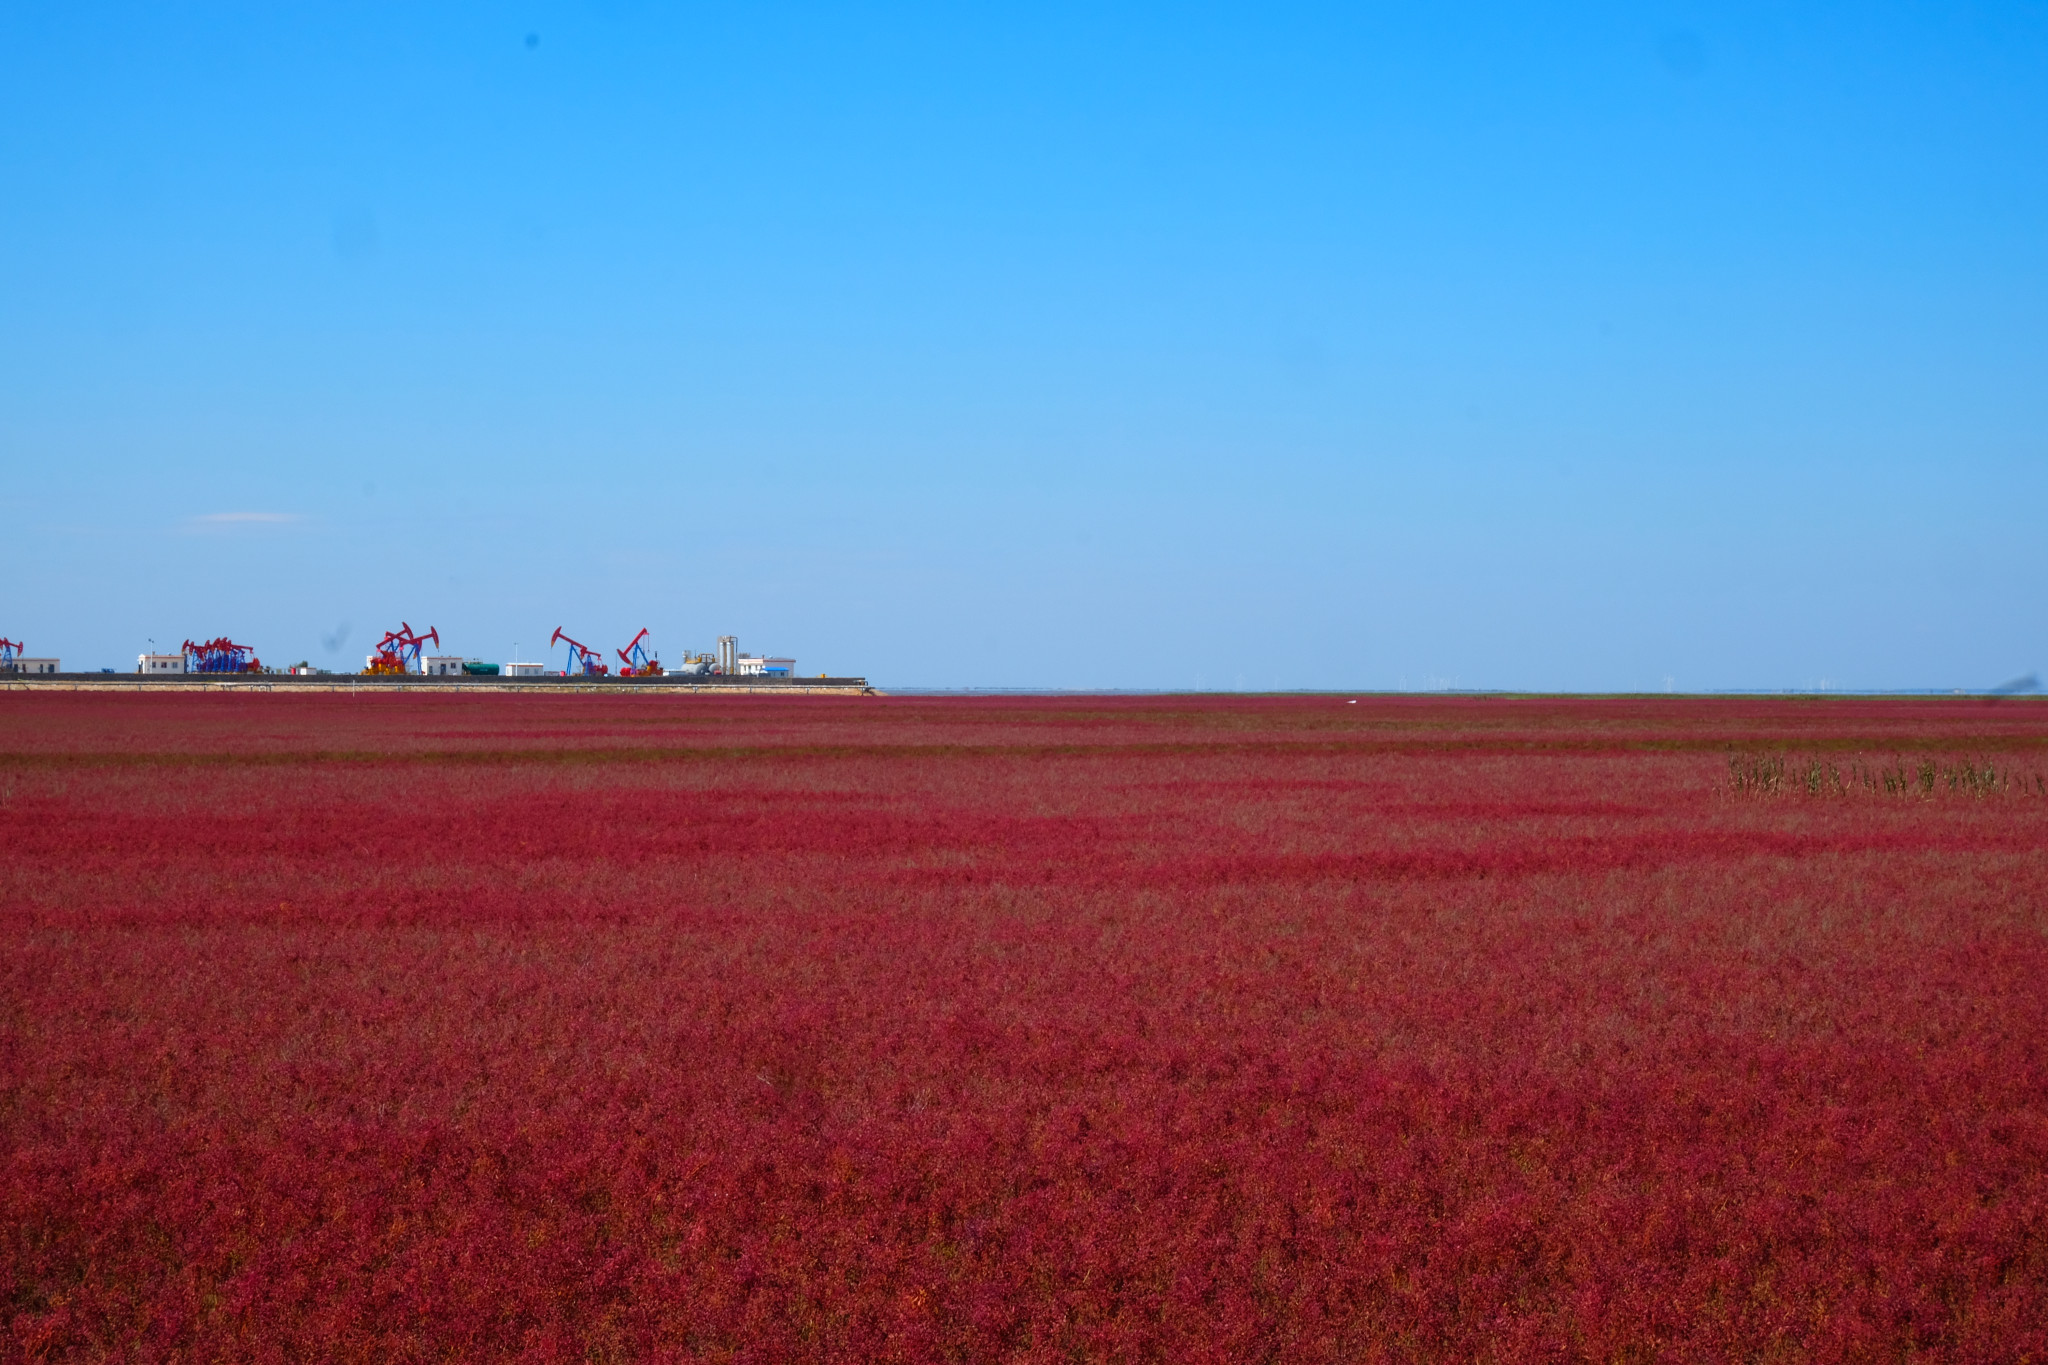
523, 670
21, 665
160, 663
442, 665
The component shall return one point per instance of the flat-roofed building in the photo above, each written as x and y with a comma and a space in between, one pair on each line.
523, 670
442, 665
21, 665
160, 663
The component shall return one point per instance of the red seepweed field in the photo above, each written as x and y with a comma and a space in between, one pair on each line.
635, 1028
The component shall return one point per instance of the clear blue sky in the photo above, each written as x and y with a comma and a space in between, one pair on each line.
1265, 346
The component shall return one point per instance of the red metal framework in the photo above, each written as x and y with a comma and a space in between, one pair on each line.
221, 655
399, 650
638, 660
582, 658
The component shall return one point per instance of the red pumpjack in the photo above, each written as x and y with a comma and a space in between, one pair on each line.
399, 650
637, 661
582, 658
221, 655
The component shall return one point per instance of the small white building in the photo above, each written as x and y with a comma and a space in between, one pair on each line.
21, 665
442, 665
523, 670
757, 666
160, 663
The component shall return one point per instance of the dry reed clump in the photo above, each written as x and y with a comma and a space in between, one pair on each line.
1778, 774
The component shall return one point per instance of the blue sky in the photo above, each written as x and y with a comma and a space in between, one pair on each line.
1621, 347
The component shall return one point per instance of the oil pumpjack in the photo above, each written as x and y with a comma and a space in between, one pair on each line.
638, 661
583, 660
399, 651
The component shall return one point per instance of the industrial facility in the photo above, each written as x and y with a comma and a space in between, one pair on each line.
401, 655
640, 660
